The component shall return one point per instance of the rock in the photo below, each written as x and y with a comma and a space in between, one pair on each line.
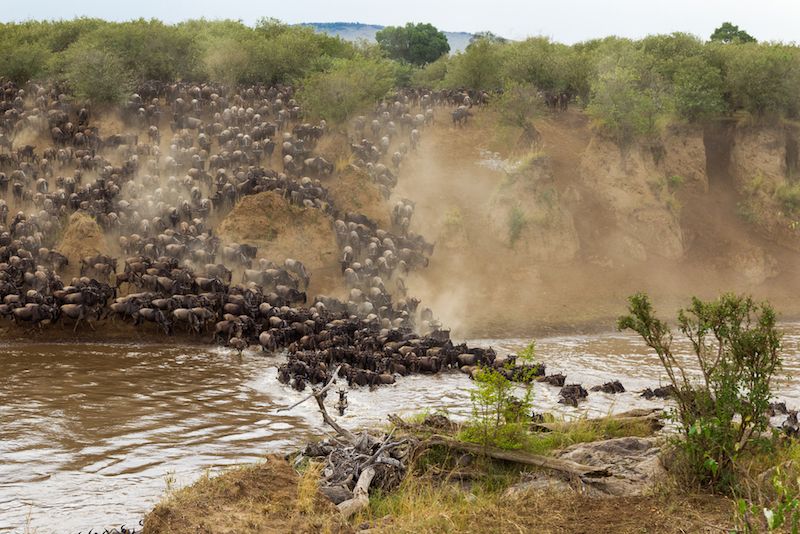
614, 386
634, 464
537, 482
438, 421
791, 426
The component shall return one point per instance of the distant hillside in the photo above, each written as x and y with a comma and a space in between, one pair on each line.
354, 31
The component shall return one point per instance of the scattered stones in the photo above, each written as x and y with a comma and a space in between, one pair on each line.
633, 462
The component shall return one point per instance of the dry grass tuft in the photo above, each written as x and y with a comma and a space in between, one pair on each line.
268, 497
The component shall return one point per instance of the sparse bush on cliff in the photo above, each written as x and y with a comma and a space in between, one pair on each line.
516, 224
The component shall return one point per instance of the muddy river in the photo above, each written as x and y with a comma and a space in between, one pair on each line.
91, 434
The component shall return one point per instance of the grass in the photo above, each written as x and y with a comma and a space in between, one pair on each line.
264, 497
563, 433
788, 196
423, 506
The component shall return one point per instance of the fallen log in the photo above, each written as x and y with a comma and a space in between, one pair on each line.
360, 498
520, 457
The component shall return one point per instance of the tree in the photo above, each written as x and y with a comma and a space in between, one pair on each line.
697, 88
518, 106
418, 44
763, 79
478, 67
349, 86
489, 36
730, 33
624, 105
97, 75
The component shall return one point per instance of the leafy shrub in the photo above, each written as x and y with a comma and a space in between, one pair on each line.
349, 86
626, 104
500, 418
738, 351
782, 515
698, 90
431, 75
763, 78
97, 75
477, 67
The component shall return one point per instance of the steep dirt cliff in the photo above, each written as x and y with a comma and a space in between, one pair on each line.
592, 223
281, 230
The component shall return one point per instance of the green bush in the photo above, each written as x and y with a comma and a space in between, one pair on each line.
518, 106
500, 418
431, 75
348, 87
763, 78
97, 75
698, 90
737, 349
477, 67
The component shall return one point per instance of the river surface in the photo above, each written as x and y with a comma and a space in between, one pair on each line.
90, 434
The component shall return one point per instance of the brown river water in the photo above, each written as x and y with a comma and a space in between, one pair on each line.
91, 433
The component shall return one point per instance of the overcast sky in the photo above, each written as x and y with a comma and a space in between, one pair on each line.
567, 21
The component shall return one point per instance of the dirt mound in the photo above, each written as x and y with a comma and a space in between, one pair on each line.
352, 190
261, 498
82, 237
281, 230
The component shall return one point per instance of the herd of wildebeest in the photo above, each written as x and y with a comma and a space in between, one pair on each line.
187, 154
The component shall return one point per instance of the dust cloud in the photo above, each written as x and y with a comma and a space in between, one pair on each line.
481, 285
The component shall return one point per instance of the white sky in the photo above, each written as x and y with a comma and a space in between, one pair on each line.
567, 21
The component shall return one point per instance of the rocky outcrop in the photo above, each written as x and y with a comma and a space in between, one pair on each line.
634, 464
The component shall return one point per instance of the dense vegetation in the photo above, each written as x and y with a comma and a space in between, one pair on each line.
631, 88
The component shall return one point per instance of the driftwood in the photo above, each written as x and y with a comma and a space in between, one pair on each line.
520, 457
353, 463
360, 498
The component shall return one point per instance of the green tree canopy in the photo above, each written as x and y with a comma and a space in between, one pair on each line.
348, 87
477, 67
730, 33
418, 44
96, 74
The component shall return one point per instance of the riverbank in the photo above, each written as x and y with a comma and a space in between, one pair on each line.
448, 491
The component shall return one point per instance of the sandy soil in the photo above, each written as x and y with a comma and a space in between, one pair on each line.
281, 230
